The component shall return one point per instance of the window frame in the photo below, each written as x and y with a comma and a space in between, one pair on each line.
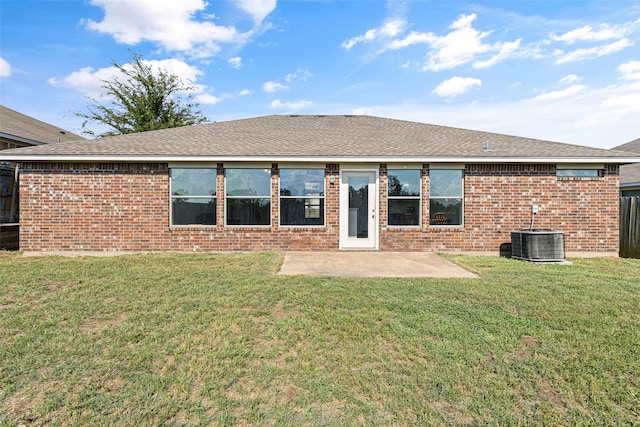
457, 167
307, 198
418, 197
228, 167
173, 197
581, 171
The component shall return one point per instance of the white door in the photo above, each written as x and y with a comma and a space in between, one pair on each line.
358, 210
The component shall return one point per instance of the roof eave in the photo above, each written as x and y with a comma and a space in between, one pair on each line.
328, 159
21, 139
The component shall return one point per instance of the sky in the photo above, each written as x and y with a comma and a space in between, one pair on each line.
559, 70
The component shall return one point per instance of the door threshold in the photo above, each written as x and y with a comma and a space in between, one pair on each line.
360, 249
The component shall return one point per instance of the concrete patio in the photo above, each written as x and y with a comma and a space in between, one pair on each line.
372, 264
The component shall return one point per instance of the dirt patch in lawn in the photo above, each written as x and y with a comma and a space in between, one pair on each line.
94, 326
279, 312
27, 403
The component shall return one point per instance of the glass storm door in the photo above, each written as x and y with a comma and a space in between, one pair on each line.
358, 210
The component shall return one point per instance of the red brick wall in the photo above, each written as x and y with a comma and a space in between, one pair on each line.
125, 207
88, 207
498, 200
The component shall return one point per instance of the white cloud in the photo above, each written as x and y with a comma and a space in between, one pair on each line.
258, 9
560, 94
414, 37
620, 103
571, 78
300, 74
458, 47
461, 45
391, 28
410, 64
588, 33
505, 50
594, 52
456, 86
5, 68
89, 81
630, 70
290, 106
235, 62
171, 24
209, 99
272, 87
245, 92
598, 117
627, 104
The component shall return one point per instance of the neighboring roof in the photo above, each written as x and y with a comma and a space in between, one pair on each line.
20, 127
631, 147
326, 138
630, 174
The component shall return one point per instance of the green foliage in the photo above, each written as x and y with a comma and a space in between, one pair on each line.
142, 99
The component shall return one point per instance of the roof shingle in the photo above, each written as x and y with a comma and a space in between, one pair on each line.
21, 126
322, 137
630, 174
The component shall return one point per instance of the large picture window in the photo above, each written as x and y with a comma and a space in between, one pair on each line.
301, 196
403, 197
193, 196
445, 196
248, 196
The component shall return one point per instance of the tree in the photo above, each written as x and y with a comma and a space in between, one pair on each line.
143, 99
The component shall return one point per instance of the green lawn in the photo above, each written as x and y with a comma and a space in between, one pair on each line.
220, 339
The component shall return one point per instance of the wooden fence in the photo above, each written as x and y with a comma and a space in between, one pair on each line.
630, 227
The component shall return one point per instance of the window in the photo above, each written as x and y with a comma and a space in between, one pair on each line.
577, 170
445, 203
301, 196
193, 196
403, 197
248, 196
581, 173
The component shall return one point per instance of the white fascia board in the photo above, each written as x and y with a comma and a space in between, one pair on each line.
304, 159
629, 184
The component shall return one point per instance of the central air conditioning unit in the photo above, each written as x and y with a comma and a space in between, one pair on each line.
537, 245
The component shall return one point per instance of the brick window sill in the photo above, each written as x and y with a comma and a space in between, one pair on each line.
302, 227
193, 227
401, 228
580, 178
458, 228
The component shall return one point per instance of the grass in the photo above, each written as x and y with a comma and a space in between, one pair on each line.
220, 339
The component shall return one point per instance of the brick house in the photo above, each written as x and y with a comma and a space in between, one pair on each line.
315, 183
19, 130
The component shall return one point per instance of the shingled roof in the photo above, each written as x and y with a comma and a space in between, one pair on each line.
630, 174
321, 138
20, 127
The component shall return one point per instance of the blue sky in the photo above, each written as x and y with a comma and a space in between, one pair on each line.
567, 71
